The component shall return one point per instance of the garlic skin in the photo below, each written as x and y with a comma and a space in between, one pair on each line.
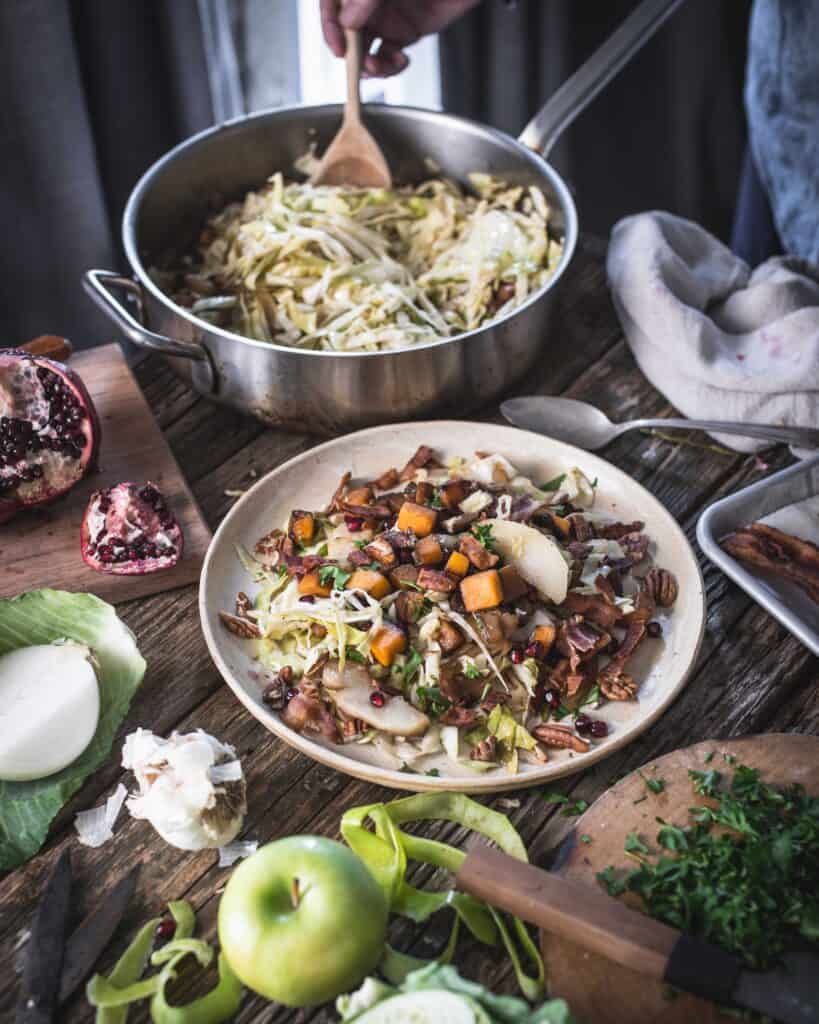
176, 792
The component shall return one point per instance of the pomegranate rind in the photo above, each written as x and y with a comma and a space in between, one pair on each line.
121, 518
51, 485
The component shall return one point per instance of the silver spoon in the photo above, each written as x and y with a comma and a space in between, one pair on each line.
586, 426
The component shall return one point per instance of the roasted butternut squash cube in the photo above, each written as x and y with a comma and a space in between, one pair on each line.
387, 643
311, 586
482, 590
428, 551
514, 585
371, 582
418, 518
302, 527
457, 563
544, 634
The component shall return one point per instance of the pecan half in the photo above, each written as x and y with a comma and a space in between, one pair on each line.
243, 605
351, 727
486, 750
662, 586
582, 529
382, 551
275, 693
617, 687
244, 628
462, 717
431, 579
560, 736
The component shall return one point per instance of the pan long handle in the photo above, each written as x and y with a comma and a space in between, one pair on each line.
577, 92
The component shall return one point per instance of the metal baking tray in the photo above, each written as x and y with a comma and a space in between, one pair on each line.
776, 497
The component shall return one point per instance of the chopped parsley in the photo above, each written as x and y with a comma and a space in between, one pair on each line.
333, 575
570, 809
411, 666
433, 772
432, 701
352, 654
585, 838
483, 532
742, 874
472, 671
435, 502
634, 844
655, 785
553, 484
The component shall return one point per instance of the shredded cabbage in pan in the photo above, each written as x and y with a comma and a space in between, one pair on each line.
348, 269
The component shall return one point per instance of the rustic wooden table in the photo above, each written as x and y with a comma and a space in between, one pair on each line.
752, 676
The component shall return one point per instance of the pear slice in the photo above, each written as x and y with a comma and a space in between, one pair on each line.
396, 716
353, 675
536, 557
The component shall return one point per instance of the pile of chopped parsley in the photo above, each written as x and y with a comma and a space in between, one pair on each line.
743, 875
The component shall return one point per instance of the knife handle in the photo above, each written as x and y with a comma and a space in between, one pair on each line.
596, 922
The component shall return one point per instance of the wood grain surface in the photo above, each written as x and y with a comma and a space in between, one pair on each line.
41, 547
596, 988
751, 676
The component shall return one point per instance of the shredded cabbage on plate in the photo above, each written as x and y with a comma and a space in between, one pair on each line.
347, 269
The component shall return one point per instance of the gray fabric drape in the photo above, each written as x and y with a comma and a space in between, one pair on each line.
93, 92
667, 133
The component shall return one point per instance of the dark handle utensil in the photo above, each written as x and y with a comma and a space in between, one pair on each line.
595, 921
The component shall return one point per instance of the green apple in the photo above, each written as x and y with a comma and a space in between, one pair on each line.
302, 920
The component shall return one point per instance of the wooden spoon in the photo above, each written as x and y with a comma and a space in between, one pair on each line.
353, 157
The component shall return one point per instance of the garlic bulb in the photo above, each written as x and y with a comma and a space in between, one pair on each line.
191, 787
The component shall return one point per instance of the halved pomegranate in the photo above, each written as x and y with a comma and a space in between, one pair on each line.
49, 431
129, 530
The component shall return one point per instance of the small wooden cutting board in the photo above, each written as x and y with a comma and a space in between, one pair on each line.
41, 548
596, 989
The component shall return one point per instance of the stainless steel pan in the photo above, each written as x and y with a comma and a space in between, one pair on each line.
328, 392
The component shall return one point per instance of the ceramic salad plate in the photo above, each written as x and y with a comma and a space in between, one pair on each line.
661, 666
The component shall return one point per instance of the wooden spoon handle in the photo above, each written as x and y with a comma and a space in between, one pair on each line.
354, 59
585, 916
50, 346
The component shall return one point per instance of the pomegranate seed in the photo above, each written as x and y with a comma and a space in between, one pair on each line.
290, 694
654, 629
308, 599
377, 699
551, 698
598, 729
516, 655
166, 929
536, 650
583, 724
354, 524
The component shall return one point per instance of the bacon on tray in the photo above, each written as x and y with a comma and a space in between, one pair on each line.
782, 554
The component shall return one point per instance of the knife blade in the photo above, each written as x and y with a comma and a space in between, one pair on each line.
595, 921
44, 959
90, 938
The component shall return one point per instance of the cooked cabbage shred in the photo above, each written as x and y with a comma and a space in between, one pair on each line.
354, 270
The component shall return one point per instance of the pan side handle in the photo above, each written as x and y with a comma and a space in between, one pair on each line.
577, 92
99, 284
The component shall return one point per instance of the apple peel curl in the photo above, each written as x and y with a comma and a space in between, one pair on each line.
387, 850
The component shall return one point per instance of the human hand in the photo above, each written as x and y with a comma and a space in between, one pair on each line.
397, 23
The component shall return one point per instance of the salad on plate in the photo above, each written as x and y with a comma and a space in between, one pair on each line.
456, 618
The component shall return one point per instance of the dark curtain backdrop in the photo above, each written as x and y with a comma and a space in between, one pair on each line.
93, 92
668, 132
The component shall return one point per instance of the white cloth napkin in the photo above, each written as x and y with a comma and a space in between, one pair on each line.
719, 341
